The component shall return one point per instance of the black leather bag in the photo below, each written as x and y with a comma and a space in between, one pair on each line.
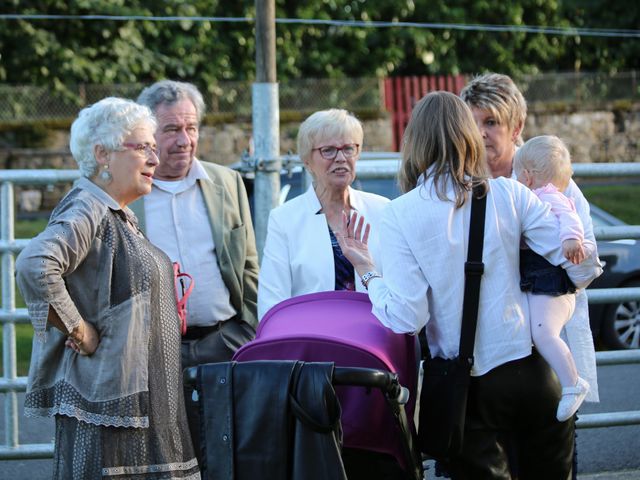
443, 406
445, 384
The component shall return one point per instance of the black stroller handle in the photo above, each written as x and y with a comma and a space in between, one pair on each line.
387, 382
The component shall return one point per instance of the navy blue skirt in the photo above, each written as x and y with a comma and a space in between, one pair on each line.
540, 277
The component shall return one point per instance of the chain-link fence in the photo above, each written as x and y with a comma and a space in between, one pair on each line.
20, 103
302, 95
580, 87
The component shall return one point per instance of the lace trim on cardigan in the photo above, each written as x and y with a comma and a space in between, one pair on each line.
142, 469
87, 417
63, 399
39, 312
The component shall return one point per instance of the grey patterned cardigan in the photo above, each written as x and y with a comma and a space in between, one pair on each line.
88, 263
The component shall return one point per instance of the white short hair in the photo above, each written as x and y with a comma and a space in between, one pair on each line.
325, 125
105, 123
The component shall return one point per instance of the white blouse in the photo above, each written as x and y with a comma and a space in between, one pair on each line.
423, 242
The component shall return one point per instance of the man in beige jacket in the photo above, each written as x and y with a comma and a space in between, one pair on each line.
198, 214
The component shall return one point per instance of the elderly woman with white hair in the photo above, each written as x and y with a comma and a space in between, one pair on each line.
301, 253
106, 355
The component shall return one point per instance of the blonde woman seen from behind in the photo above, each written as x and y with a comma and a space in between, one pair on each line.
513, 394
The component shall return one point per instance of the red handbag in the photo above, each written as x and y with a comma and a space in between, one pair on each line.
182, 294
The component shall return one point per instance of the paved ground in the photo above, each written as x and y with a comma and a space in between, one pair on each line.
625, 475
622, 475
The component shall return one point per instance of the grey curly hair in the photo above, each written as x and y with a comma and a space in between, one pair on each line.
105, 123
169, 92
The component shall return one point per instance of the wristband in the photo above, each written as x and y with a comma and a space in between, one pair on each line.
367, 277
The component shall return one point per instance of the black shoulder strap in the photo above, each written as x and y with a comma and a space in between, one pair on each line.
473, 270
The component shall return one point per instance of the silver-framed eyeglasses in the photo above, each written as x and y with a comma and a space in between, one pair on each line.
330, 152
148, 150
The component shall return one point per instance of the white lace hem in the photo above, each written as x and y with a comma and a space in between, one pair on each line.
142, 469
88, 417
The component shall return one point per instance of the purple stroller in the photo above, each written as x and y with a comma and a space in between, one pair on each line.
339, 327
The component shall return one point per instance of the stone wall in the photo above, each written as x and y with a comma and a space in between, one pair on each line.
221, 144
610, 135
225, 143
592, 136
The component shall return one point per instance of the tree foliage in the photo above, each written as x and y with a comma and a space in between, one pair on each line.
602, 54
60, 52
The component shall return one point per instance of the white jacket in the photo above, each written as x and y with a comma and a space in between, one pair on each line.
298, 257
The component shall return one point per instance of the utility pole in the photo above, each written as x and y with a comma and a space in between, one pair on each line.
266, 121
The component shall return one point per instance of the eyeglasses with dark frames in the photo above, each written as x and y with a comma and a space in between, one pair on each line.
330, 152
142, 147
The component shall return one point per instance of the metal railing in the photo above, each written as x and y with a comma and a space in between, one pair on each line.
385, 166
10, 383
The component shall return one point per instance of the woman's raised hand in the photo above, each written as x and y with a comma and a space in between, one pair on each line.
353, 240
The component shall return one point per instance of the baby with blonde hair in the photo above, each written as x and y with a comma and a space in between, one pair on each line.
544, 165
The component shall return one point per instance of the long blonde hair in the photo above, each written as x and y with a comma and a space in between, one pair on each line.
442, 133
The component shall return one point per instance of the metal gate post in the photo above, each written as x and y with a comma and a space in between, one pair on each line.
8, 304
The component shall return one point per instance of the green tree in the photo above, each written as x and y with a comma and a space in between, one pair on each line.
335, 51
606, 54
58, 53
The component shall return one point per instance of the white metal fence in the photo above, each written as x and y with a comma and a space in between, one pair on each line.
385, 167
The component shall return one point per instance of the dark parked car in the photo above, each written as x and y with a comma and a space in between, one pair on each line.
614, 326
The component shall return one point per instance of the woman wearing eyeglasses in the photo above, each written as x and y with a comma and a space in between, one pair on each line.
106, 355
301, 253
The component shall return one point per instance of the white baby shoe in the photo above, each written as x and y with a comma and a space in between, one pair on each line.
572, 398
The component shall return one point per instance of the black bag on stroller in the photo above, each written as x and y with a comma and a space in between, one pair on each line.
279, 420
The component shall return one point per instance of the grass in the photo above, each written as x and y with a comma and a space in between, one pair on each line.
24, 332
620, 200
29, 228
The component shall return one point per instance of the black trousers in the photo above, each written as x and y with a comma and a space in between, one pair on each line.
514, 406
209, 345
369, 465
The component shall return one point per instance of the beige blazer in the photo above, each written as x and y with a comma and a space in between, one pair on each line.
226, 201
